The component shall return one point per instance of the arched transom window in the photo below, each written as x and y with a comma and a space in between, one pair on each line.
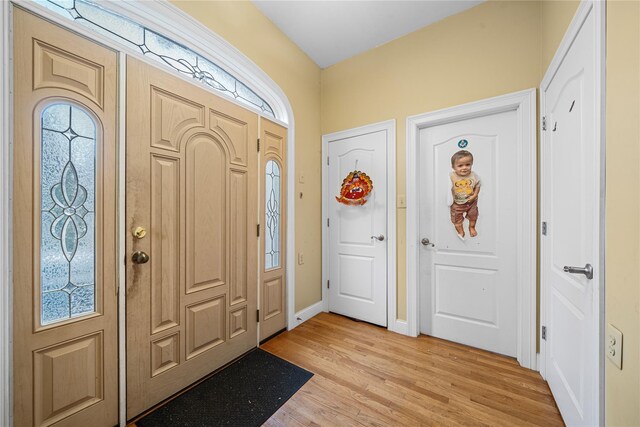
154, 45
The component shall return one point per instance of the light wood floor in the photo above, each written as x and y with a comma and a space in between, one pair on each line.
365, 375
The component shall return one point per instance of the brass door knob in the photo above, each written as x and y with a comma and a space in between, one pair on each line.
139, 232
139, 257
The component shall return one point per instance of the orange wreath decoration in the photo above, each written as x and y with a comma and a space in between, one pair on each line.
356, 189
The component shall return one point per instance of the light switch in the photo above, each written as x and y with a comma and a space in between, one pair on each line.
402, 201
301, 179
613, 345
300, 258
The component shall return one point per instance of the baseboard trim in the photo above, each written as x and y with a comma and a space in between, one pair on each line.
306, 314
399, 327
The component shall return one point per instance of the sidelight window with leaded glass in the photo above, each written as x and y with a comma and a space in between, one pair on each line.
67, 220
272, 215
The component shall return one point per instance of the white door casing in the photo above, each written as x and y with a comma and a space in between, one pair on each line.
360, 267
572, 211
166, 18
523, 104
467, 288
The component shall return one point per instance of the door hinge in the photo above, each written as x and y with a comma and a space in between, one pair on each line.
258, 316
328, 284
327, 222
327, 160
544, 228
258, 230
544, 333
258, 144
544, 123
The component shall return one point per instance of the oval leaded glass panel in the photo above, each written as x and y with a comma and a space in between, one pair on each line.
272, 216
67, 196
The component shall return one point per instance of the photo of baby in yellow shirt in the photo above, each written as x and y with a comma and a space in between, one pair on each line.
465, 187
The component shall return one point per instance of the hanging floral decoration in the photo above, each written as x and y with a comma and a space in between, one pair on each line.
356, 189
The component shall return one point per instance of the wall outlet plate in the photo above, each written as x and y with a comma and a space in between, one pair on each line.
613, 345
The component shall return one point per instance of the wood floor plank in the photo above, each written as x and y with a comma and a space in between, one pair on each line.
367, 376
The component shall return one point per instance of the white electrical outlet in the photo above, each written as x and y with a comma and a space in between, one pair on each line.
613, 345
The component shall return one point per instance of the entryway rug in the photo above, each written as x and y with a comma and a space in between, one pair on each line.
243, 394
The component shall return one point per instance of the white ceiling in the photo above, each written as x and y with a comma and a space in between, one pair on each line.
331, 31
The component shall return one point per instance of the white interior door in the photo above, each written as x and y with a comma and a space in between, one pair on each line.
468, 288
570, 194
358, 235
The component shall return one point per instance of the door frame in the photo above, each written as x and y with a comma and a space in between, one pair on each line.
389, 126
524, 103
6, 260
172, 22
599, 43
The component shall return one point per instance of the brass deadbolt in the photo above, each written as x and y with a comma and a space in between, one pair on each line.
139, 232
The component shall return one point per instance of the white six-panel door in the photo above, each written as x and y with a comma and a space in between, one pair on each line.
468, 289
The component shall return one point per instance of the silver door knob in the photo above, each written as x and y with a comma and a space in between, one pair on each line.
587, 270
426, 242
139, 257
379, 238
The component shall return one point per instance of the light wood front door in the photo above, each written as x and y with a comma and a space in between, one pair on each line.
273, 310
64, 283
191, 172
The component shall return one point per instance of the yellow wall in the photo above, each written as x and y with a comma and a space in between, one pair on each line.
247, 29
623, 208
489, 50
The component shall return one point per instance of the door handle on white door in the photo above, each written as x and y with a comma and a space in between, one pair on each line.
587, 270
426, 242
379, 238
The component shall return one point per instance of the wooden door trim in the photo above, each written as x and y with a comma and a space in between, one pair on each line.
585, 8
6, 185
524, 103
393, 323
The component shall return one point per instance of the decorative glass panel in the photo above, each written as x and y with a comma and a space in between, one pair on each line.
154, 45
272, 214
67, 196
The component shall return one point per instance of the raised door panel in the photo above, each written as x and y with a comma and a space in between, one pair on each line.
273, 304
58, 68
171, 117
68, 378
205, 326
235, 132
165, 354
206, 215
165, 232
238, 229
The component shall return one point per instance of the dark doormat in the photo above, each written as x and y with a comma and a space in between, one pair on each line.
244, 394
